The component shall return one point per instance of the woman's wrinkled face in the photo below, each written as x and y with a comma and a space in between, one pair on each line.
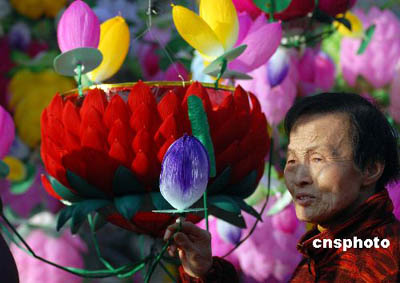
320, 173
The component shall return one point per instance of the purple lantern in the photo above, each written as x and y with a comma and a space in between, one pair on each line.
184, 172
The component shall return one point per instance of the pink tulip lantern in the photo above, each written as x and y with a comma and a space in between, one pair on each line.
7, 133
78, 35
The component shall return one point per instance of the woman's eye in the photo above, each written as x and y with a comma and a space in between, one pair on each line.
316, 159
291, 161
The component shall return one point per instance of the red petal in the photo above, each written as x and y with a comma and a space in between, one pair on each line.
245, 166
54, 150
158, 139
55, 107
169, 104
122, 132
72, 142
145, 117
95, 98
143, 142
91, 138
233, 129
116, 109
224, 111
255, 104
171, 128
56, 170
146, 168
217, 96
92, 118
47, 186
70, 118
55, 131
241, 100
121, 153
141, 94
75, 162
102, 169
228, 157
197, 89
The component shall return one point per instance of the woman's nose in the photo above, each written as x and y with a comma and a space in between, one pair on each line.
302, 176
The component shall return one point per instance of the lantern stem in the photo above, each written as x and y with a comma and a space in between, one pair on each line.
160, 255
78, 72
273, 9
205, 208
221, 72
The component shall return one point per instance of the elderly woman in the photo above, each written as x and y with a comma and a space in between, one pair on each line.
341, 154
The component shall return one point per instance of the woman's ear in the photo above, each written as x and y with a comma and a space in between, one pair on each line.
372, 173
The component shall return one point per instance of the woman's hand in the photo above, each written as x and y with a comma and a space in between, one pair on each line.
193, 245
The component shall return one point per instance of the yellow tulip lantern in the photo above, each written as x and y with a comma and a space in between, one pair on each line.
114, 45
213, 34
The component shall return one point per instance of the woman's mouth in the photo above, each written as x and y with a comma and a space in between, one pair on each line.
304, 199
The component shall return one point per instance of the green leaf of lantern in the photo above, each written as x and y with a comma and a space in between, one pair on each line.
245, 207
4, 170
245, 187
21, 187
225, 208
66, 62
272, 6
128, 205
159, 201
215, 66
220, 182
78, 212
63, 191
200, 128
366, 39
83, 187
99, 221
125, 182
82, 209
226, 203
280, 204
64, 216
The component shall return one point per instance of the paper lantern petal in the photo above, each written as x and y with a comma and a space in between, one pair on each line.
221, 16
258, 51
78, 27
197, 32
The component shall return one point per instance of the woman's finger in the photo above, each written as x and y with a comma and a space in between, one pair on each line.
182, 242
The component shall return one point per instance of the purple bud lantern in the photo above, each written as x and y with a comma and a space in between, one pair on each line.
184, 172
228, 232
78, 27
277, 67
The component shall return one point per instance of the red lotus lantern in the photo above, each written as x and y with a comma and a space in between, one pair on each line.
103, 151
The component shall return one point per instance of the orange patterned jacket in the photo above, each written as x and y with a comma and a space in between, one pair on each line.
372, 219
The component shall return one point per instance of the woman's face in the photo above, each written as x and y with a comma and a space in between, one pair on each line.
320, 173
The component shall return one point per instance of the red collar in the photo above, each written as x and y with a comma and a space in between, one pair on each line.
375, 211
